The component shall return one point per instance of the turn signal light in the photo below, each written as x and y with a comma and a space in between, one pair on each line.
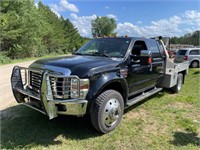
84, 87
149, 60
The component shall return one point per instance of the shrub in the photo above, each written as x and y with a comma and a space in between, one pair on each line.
4, 58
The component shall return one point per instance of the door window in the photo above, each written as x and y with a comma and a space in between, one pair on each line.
138, 46
194, 52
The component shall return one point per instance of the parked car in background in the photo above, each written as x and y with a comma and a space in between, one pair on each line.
189, 54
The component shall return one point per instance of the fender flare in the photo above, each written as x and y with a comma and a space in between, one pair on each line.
100, 82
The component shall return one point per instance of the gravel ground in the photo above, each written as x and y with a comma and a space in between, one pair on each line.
6, 96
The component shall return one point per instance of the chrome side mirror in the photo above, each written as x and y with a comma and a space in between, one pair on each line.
145, 53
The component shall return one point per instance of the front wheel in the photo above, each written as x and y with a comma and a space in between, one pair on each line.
179, 84
107, 111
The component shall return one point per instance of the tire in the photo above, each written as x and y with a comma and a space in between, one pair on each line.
107, 111
195, 64
179, 84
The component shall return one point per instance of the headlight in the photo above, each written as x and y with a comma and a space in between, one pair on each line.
74, 92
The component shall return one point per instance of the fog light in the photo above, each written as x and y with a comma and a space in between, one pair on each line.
61, 107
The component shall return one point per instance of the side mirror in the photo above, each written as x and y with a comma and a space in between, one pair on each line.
146, 53
145, 57
74, 51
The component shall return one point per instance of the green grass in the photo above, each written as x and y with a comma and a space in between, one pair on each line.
163, 121
29, 59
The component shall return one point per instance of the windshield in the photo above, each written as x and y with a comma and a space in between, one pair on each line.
108, 47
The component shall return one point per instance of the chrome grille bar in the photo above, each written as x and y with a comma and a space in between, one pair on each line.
35, 79
62, 87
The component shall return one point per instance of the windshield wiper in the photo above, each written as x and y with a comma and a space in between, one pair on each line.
100, 54
77, 53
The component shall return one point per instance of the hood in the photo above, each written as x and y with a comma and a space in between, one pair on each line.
81, 66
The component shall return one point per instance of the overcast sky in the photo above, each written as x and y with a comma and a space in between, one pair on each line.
144, 18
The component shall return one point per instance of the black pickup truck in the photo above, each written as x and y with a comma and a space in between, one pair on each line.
101, 79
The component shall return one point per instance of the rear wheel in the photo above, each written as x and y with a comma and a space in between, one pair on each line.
108, 111
179, 84
194, 64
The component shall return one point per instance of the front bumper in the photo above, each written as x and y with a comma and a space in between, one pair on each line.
43, 101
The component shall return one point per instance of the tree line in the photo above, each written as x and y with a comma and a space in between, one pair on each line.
189, 38
28, 30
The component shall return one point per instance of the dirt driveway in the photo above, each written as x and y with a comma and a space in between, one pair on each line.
6, 96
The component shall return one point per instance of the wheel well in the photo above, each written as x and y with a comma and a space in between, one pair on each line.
183, 73
117, 87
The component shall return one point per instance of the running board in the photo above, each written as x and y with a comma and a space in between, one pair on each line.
143, 96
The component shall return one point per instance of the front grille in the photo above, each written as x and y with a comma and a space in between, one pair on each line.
35, 81
63, 88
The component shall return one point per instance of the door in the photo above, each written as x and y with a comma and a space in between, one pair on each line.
138, 75
143, 77
157, 64
194, 55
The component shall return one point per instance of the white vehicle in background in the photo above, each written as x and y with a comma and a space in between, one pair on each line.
188, 54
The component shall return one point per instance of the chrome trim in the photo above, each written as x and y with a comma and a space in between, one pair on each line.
35, 79
28, 93
76, 106
29, 105
111, 112
46, 95
65, 86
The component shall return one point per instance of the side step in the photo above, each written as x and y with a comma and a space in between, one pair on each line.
143, 96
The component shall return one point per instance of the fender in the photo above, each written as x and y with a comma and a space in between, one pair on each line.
99, 81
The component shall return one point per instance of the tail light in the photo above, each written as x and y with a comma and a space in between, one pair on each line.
185, 57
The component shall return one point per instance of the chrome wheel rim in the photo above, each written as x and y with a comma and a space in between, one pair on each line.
111, 112
179, 83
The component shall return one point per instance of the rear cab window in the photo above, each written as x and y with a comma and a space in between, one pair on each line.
155, 49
